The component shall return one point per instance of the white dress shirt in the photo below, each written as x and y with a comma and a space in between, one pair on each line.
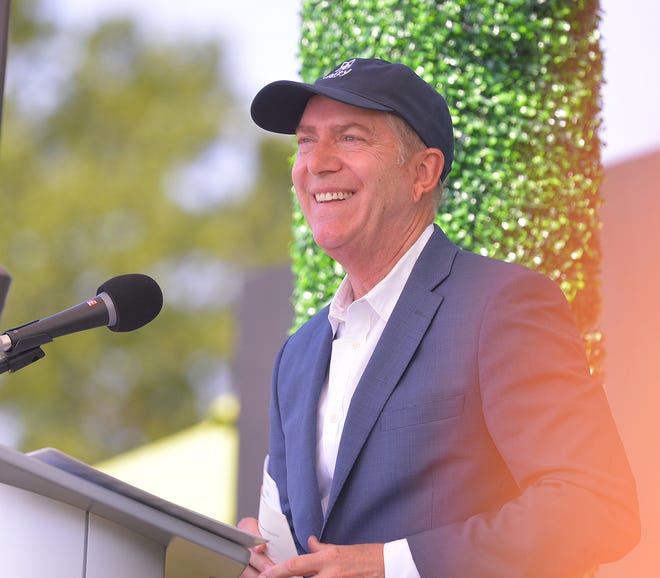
357, 327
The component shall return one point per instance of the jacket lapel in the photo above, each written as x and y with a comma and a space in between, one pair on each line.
405, 329
309, 517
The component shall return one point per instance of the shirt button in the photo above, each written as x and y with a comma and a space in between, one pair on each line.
355, 344
335, 417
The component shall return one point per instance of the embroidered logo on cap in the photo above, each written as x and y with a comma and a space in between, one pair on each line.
342, 70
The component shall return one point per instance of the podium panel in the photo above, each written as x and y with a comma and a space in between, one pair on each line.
63, 519
54, 547
185, 559
114, 550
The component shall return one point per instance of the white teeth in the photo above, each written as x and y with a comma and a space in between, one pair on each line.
338, 196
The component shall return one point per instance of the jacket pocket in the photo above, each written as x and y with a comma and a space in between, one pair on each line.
435, 410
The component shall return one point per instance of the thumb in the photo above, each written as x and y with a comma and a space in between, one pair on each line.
313, 544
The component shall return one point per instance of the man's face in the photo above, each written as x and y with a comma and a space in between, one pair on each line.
353, 188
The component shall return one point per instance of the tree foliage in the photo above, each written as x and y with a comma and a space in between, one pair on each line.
121, 154
522, 80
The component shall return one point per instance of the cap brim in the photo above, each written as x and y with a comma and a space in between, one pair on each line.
279, 106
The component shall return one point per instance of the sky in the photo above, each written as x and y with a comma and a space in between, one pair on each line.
262, 41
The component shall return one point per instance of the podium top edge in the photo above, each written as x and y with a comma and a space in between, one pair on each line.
158, 519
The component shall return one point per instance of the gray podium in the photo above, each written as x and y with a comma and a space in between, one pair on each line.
63, 519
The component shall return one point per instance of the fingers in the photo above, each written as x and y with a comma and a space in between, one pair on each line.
259, 562
352, 561
249, 525
347, 561
249, 572
313, 544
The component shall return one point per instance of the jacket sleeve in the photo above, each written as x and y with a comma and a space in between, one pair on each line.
552, 425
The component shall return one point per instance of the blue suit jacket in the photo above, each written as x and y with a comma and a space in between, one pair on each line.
475, 431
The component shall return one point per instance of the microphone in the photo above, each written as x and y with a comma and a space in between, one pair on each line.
123, 303
5, 281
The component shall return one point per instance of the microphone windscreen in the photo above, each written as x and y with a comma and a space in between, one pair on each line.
137, 299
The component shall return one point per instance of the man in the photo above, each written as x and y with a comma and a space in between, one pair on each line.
439, 418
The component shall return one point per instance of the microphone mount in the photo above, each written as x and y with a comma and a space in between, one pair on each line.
13, 361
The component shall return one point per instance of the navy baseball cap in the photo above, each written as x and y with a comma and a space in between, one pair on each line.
369, 83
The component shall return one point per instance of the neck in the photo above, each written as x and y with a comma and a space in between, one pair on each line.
366, 269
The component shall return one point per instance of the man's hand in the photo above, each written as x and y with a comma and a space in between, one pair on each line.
328, 560
258, 560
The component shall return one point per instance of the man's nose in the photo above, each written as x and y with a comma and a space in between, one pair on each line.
323, 158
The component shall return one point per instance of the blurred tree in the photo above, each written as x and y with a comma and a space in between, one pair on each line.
121, 155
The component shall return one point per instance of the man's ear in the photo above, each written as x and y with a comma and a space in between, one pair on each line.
429, 168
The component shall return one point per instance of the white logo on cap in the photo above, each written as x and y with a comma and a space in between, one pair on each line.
342, 70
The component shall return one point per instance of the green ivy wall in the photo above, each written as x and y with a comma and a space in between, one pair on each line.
522, 79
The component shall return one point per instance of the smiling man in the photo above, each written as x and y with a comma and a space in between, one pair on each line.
438, 418
349, 174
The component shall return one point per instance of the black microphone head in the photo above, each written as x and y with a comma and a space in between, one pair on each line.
137, 299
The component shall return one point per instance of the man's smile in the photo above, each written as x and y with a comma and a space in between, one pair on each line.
335, 196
